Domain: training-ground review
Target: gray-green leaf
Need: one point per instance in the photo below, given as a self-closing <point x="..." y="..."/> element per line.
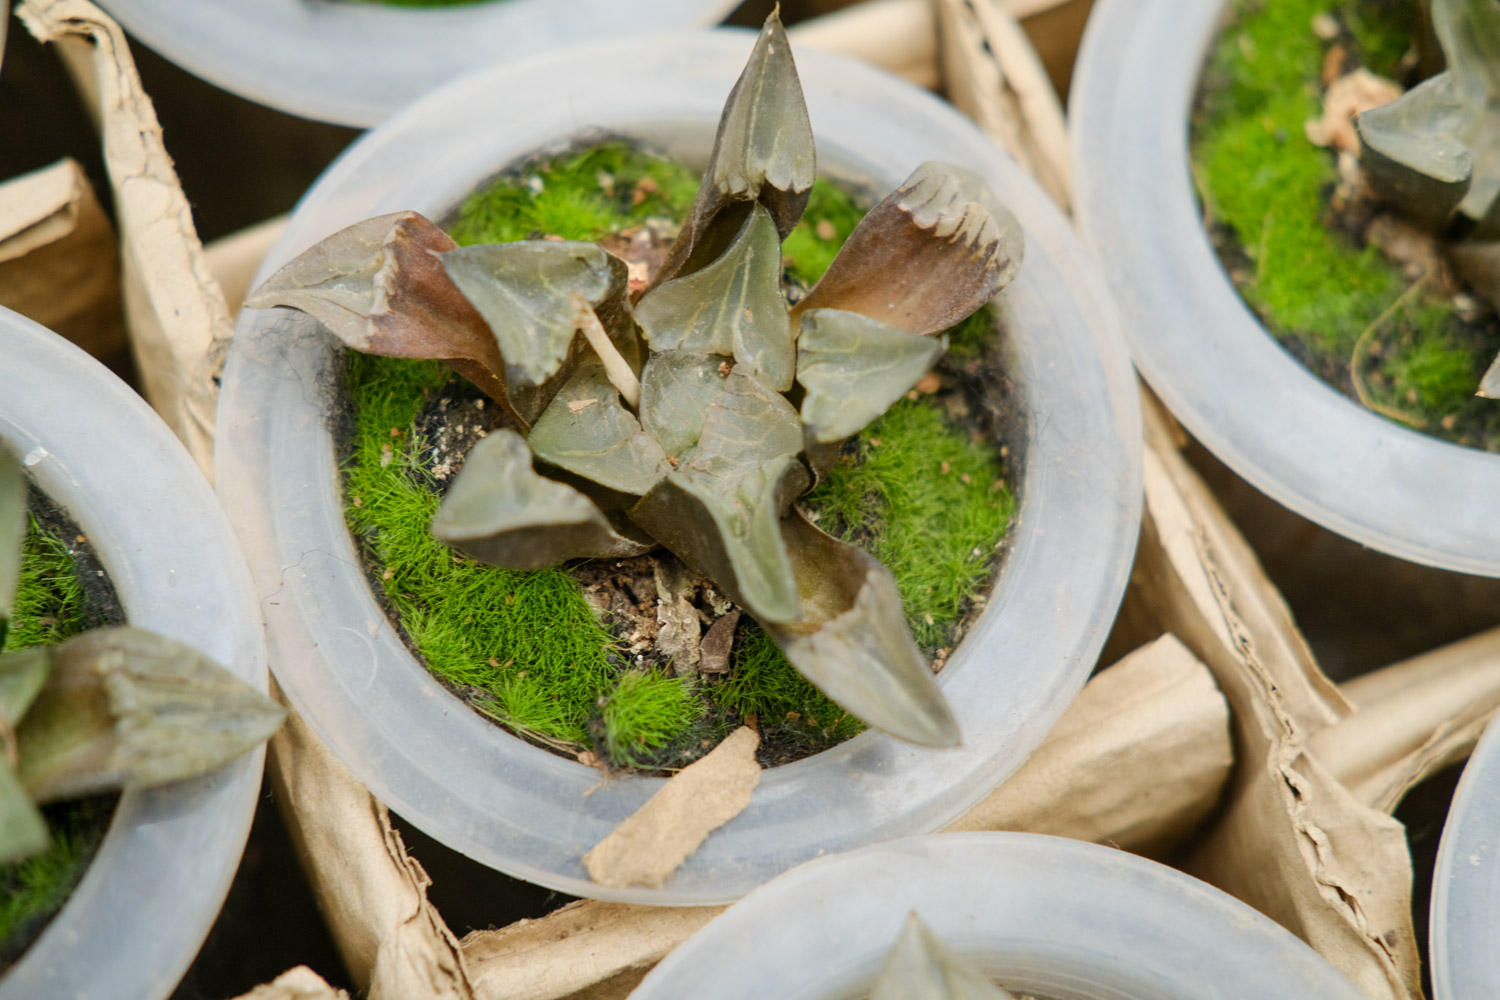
<point x="719" y="512"/>
<point x="732" y="306"/>
<point x="936" y="249"/>
<point x="22" y="675"/>
<point x="12" y="531"/>
<point x="763" y="151"/>
<point x="852" y="640"/>
<point x="920" y="967"/>
<point x="589" y="432"/>
<point x="677" y="391"/>
<point x="23" y="832"/>
<point x="1413" y="153"/>
<point x="126" y="708"/>
<point x="854" y="368"/>
<point x="525" y="292"/>
<point x="500" y="512"/>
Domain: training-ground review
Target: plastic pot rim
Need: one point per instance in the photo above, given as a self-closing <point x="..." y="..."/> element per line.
<point x="1200" y="347"/>
<point x="1045" y="914"/>
<point x="1465" y="907"/>
<point x="357" y="63"/>
<point x="133" y="924"/>
<point x="460" y="778"/>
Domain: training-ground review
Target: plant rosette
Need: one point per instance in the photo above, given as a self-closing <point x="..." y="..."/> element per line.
<point x="91" y="445"/>
<point x="531" y="813"/>
<point x="1465" y="913"/>
<point x="1200" y="346"/>
<point x="1041" y="916"/>
<point x="354" y="62"/>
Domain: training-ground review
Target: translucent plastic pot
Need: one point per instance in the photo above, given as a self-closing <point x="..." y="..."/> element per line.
<point x="1060" y="918"/>
<point x="521" y="809"/>
<point x="355" y="63"/>
<point x="1201" y="348"/>
<point x="132" y="926"/>
<point x="1465" y="924"/>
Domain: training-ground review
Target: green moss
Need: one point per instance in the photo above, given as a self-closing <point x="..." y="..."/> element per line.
<point x="527" y="648"/>
<point x="1267" y="186"/>
<point x="49" y="608"/>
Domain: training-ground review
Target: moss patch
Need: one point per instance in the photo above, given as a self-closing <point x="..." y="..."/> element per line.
<point x="1316" y="288"/>
<point x="526" y="648"/>
<point x="51" y="605"/>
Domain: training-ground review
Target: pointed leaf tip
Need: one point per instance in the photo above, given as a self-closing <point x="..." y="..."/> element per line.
<point x="936" y="249"/>
<point x="852" y="641"/>
<point x="500" y="512"/>
<point x="920" y="967"/>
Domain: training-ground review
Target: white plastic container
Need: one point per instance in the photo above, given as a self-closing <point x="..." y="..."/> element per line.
<point x="530" y="813"/>
<point x="356" y="63"/>
<point x="134" y="923"/>
<point x="1201" y="348"/>
<point x="1464" y="939"/>
<point x="1059" y="918"/>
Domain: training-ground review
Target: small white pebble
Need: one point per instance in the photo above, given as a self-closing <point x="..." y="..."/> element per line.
<point x="34" y="456"/>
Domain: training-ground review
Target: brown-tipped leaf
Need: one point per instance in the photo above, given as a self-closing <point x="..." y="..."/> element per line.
<point x="920" y="967"/>
<point x="732" y="306"/>
<point x="589" y="432"/>
<point x="853" y="369"/>
<point x="936" y="249"/>
<point x="126" y="708"/>
<point x="677" y="391"/>
<point x="852" y="640"/>
<point x="525" y="292"/>
<point x="719" y="512"/>
<point x="379" y="288"/>
<point x="12" y="531"/>
<point x="23" y="832"/>
<point x="763" y="151"/>
<point x="500" y="512"/>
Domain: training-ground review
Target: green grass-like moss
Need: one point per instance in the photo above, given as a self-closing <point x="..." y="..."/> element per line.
<point x="49" y="607"/>
<point x="1267" y="185"/>
<point x="527" y="646"/>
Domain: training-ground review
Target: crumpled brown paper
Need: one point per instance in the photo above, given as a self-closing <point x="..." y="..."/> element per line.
<point x="179" y="325"/>
<point x="59" y="262"/>
<point x="300" y="983"/>
<point x="1292" y="841"/>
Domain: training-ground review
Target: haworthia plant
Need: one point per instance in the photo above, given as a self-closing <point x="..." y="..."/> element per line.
<point x="920" y="967"/>
<point x="695" y="417"/>
<point x="1434" y="152"/>
<point x="111" y="709"/>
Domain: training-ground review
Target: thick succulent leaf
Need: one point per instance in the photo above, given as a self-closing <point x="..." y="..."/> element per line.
<point x="852" y="640"/>
<point x="1413" y="152"/>
<point x="22" y="674"/>
<point x="720" y="510"/>
<point x="678" y="389"/>
<point x="379" y="288"/>
<point x="525" y="292"/>
<point x="763" y="152"/>
<point x="732" y="306"/>
<point x="1489" y="386"/>
<point x="23" y="832"/>
<point x="1478" y="265"/>
<point x="920" y="967"/>
<point x="12" y="531"/>
<point x="936" y="249"/>
<point x="589" y="432"/>
<point x="500" y="512"/>
<point x="727" y="530"/>
<point x="127" y="708"/>
<point x="1469" y="32"/>
<point x="854" y="368"/>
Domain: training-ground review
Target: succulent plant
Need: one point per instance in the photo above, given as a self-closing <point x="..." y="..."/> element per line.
<point x="690" y="408"/>
<point x="1434" y="153"/>
<point x="920" y="967"/>
<point x="115" y="708"/>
